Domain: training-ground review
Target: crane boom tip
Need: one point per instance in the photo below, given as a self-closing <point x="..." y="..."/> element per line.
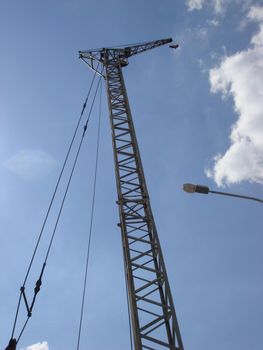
<point x="174" y="46"/>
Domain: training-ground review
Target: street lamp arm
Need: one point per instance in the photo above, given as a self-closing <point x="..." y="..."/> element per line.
<point x="237" y="195"/>
<point x="191" y="188"/>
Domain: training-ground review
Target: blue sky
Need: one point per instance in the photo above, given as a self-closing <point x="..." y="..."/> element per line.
<point x="198" y="113"/>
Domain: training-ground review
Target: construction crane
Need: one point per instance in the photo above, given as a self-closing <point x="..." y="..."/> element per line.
<point x="152" y="312"/>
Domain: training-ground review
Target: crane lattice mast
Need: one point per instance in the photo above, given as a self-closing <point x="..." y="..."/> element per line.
<point x="153" y="317"/>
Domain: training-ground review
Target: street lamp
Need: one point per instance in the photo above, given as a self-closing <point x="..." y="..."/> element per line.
<point x="190" y="188"/>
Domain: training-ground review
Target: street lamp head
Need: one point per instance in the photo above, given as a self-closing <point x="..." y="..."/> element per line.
<point x="190" y="188"/>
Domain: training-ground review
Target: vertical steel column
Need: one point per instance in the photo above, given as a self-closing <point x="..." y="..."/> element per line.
<point x="153" y="314"/>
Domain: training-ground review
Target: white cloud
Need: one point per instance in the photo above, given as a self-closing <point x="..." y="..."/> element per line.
<point x="241" y="76"/>
<point x="31" y="164"/>
<point x="38" y="346"/>
<point x="199" y="4"/>
<point x="218" y="6"/>
<point x="195" y="4"/>
<point x="213" y="22"/>
<point x="202" y="32"/>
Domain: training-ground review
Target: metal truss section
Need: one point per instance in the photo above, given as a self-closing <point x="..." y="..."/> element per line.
<point x="153" y="316"/>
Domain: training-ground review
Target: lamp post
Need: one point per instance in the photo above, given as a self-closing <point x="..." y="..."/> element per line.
<point x="190" y="188"/>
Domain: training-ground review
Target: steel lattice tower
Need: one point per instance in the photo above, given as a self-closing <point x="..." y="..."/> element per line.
<point x="153" y="316"/>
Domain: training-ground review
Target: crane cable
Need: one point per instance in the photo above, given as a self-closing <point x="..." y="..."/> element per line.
<point x="13" y="342"/>
<point x="51" y="202"/>
<point x="89" y="244"/>
<point x="39" y="281"/>
<point x="91" y="224"/>
<point x="90" y="238"/>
